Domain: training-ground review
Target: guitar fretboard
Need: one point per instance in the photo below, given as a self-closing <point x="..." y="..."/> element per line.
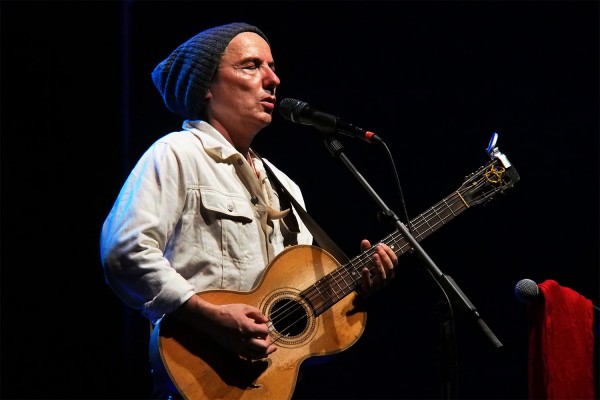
<point x="335" y="286"/>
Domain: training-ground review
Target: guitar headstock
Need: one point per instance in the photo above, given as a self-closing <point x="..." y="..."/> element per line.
<point x="497" y="176"/>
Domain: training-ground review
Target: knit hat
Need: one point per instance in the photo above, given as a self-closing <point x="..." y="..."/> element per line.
<point x="183" y="78"/>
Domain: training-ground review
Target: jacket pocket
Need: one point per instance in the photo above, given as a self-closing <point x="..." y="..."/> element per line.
<point x="233" y="206"/>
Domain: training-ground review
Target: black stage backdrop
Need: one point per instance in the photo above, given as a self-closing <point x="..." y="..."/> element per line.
<point x="433" y="79"/>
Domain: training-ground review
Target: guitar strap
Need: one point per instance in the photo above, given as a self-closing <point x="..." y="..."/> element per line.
<point x="285" y="198"/>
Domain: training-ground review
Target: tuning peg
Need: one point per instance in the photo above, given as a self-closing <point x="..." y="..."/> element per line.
<point x="492" y="144"/>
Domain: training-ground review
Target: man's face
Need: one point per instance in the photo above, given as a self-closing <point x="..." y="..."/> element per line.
<point x="242" y="95"/>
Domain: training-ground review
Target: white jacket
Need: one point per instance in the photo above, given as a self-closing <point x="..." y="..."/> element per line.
<point x="192" y="216"/>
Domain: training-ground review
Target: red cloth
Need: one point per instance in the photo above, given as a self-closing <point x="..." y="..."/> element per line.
<point x="561" y="344"/>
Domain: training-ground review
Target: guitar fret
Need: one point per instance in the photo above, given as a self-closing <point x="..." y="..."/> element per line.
<point x="343" y="273"/>
<point x="448" y="207"/>
<point x="334" y="291"/>
<point x="323" y="303"/>
<point x="441" y="216"/>
<point x="437" y="215"/>
<point x="451" y="210"/>
<point x="428" y="224"/>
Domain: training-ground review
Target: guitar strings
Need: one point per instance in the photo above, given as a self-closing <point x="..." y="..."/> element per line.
<point x="311" y="294"/>
<point x="313" y="298"/>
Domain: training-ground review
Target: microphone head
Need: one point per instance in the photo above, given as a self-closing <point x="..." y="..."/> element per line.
<point x="291" y="108"/>
<point x="526" y="290"/>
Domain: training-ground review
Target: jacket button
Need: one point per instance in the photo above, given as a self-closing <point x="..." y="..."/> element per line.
<point x="254" y="200"/>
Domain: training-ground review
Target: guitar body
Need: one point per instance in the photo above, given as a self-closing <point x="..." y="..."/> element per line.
<point x="198" y="368"/>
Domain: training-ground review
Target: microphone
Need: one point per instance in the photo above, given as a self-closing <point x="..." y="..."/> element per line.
<point x="301" y="113"/>
<point x="527" y="290"/>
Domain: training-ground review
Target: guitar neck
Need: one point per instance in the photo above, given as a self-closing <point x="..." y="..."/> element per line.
<point x="479" y="187"/>
<point x="345" y="279"/>
<point x="428" y="222"/>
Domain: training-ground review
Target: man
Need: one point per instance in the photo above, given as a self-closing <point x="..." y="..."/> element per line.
<point x="198" y="211"/>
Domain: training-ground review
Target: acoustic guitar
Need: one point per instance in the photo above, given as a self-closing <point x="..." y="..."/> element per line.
<point x="310" y="301"/>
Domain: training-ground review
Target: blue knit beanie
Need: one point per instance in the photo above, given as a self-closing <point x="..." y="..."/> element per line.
<point x="184" y="77"/>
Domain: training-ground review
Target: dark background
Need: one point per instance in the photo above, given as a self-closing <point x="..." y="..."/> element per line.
<point x="433" y="79"/>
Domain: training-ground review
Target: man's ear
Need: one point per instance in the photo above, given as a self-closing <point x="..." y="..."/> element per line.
<point x="208" y="95"/>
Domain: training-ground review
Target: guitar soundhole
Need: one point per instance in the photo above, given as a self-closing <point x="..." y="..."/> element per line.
<point x="289" y="318"/>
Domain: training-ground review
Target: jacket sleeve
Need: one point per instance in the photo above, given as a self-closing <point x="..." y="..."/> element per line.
<point x="134" y="235"/>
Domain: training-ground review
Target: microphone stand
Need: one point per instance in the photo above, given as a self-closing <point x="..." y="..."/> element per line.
<point x="455" y="295"/>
